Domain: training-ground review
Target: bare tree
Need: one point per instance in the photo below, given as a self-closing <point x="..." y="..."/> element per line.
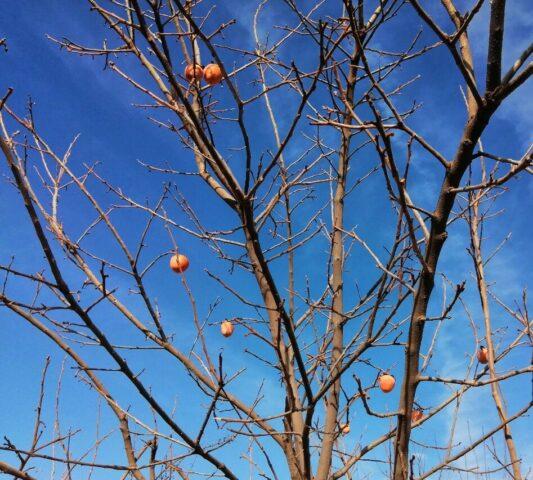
<point x="338" y="121"/>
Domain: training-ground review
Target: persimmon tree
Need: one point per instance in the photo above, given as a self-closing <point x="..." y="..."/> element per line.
<point x="313" y="111"/>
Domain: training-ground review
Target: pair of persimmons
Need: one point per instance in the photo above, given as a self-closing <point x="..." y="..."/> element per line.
<point x="212" y="73"/>
<point x="179" y="263"/>
<point x="386" y="383"/>
<point x="416" y="415"/>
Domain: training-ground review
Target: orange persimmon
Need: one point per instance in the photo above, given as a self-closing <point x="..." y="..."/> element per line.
<point x="226" y="328"/>
<point x="416" y="415"/>
<point x="483" y="355"/>
<point x="194" y="72"/>
<point x="386" y="382"/>
<point x="212" y="74"/>
<point x="179" y="263"/>
<point x="345" y="428"/>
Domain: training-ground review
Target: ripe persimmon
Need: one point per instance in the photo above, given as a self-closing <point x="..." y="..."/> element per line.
<point x="386" y="382"/>
<point x="194" y="72"/>
<point x="212" y="74"/>
<point x="179" y="263"/>
<point x="483" y="355"/>
<point x="345" y="428"/>
<point x="226" y="328"/>
<point x="416" y="415"/>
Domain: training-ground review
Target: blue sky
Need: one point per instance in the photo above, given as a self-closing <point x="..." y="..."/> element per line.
<point x="76" y="95"/>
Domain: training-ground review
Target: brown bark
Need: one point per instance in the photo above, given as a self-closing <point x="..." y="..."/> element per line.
<point x="438" y="235"/>
<point x="10" y="470"/>
<point x="337" y="320"/>
<point x="479" y="116"/>
<point x="495" y="49"/>
<point x="331" y="427"/>
<point x="466" y="52"/>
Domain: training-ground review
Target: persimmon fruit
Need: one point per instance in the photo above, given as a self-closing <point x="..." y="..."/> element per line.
<point x="194" y="72"/>
<point x="179" y="263"/>
<point x="386" y="382"/>
<point x="345" y="428"/>
<point x="483" y="355"/>
<point x="212" y="74"/>
<point x="416" y="415"/>
<point x="226" y="328"/>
